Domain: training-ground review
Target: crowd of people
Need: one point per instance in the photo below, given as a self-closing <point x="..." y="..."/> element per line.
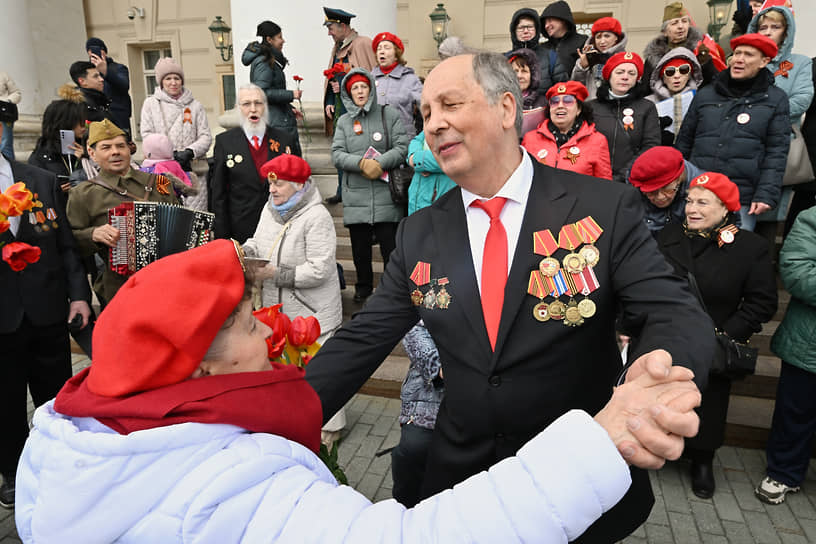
<point x="647" y="174"/>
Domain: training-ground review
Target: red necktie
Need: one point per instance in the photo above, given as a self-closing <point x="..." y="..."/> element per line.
<point x="494" y="267"/>
<point x="255" y="143"/>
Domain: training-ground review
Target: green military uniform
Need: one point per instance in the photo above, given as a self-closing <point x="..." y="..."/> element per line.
<point x="88" y="205"/>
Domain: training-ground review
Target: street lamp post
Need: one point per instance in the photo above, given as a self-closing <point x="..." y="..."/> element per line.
<point x="718" y="10"/>
<point x="221" y="38"/>
<point x="439" y="24"/>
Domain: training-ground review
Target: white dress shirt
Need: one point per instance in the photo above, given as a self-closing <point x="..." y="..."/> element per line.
<point x="516" y="190"/>
<point x="6" y="181"/>
<point x="260" y="132"/>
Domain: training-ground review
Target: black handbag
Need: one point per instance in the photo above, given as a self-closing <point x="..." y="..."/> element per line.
<point x="399" y="179"/>
<point x="8" y="112"/>
<point x="732" y="359"/>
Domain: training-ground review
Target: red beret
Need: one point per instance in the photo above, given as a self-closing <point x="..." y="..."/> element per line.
<point x="622" y="58"/>
<point x="574" y="88"/>
<point x="678" y="61"/>
<point x="607" y="24"/>
<point x="286" y="167"/>
<point x="725" y="189"/>
<point x="656" y="168"/>
<point x="388" y="37"/>
<point x="354" y="78"/>
<point x="160" y="324"/>
<point x="766" y="45"/>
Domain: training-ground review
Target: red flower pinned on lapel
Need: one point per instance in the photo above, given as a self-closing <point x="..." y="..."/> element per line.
<point x="18" y="255"/>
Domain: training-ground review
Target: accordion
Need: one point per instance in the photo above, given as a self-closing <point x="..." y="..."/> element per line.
<point x="151" y="230"/>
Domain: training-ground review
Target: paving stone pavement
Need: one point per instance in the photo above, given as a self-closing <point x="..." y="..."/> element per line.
<point x="733" y="516"/>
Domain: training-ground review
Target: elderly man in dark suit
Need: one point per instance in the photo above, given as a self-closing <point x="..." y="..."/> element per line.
<point x="238" y="190"/>
<point x="36" y="305"/>
<point x="491" y="283"/>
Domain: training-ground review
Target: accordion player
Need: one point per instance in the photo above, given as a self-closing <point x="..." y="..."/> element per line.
<point x="151" y="230"/>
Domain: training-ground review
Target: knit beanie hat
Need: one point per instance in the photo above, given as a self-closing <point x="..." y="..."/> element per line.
<point x="167" y="66"/>
<point x="268" y="29"/>
<point x="157" y="147"/>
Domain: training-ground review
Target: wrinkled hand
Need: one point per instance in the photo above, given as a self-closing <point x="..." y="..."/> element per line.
<point x="265" y="273"/>
<point x="106" y="234"/>
<point x="330" y="111"/>
<point x="647" y="418"/>
<point x="370" y="168"/>
<point x="79" y="307"/>
<point x="184" y="158"/>
<point x="758" y="208"/>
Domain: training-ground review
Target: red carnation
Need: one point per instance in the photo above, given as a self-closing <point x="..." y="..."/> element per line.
<point x="18" y="255"/>
<point x="297" y="78"/>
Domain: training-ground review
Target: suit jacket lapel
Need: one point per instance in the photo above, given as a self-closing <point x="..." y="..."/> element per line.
<point x="548" y="206"/>
<point x="450" y="224"/>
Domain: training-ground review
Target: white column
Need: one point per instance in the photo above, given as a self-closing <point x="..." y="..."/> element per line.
<point x="19" y="61"/>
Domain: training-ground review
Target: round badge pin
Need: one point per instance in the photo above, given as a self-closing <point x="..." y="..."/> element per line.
<point x="542" y="154"/>
<point x="377" y="136"/>
<point x="727" y="236"/>
<point x="230" y="163"/>
<point x="238" y="159"/>
<point x="628" y="111"/>
<point x="628" y="119"/>
<point x="743" y="118"/>
<point x="574" y="150"/>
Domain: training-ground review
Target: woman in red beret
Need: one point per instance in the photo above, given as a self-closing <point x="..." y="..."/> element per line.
<point x="628" y="120"/>
<point x="606" y="39"/>
<point x="568" y="139"/>
<point x="397" y="84"/>
<point x="735" y="279"/>
<point x="182" y="431"/>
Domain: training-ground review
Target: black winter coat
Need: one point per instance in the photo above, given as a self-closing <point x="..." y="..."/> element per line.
<point x="117" y="85"/>
<point x="625" y="145"/>
<point x="744" y="137"/>
<point x="565" y="48"/>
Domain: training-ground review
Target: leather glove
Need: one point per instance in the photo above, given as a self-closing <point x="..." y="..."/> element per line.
<point x="703" y="54"/>
<point x="371" y="168"/>
<point x="184" y="158"/>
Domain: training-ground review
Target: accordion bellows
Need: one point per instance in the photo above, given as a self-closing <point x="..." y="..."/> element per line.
<point x="151" y="230"/>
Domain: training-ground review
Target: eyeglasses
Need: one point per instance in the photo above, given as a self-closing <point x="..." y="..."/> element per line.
<point x="525" y="27"/>
<point x="668" y="190"/>
<point x="566" y="99"/>
<point x="684" y="69"/>
<point x="256" y="103"/>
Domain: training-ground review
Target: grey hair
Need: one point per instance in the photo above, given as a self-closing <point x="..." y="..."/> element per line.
<point x="451" y="47"/>
<point x="495" y="76"/>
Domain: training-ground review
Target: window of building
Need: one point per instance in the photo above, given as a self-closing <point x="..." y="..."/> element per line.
<point x="149" y="59"/>
<point x="228" y="91"/>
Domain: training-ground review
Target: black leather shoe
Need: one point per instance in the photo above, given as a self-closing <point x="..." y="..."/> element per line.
<point x="702" y="479"/>
<point x="334" y="200"/>
<point x="7" y="493"/>
<point x="361" y="294"/>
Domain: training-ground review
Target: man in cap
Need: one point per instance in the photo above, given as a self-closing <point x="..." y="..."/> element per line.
<point x="116" y="81"/>
<point x="352" y="51"/>
<point x="663" y="177"/>
<point x="740" y="126"/>
<point x="514" y="355"/>
<point x="238" y="189"/>
<point x="117" y="182"/>
<point x="37" y="304"/>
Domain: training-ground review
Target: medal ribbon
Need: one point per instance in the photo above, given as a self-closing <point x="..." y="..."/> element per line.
<point x="549" y="285"/>
<point x="589" y="230"/>
<point x="577" y="283"/>
<point x="573" y="157"/>
<point x="544" y="243"/>
<point x="590" y="280"/>
<point x="421" y="274"/>
<point x="572" y="290"/>
<point x="560" y="284"/>
<point x="730" y="228"/>
<point x="569" y="238"/>
<point x="536" y="285"/>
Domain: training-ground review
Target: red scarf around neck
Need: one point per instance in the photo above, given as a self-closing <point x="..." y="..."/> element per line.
<point x="278" y="401"/>
<point x="388" y="69"/>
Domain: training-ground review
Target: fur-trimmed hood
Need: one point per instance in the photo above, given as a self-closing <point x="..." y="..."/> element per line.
<point x="659" y="46"/>
<point x="656" y="82"/>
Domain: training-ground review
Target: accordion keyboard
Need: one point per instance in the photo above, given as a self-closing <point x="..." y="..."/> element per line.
<point x="119" y="253"/>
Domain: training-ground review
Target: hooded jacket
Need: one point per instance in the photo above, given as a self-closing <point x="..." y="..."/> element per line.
<point x="533" y="43"/>
<point x="744" y="137"/>
<point x="592" y="76"/>
<point x="266" y="71"/>
<point x="365" y="200"/>
<point x="659" y="89"/>
<point x="183" y="120"/>
<point x="305" y="281"/>
<point x="796" y="79"/>
<point x="534" y="96"/>
<point x="400" y="89"/>
<point x="588" y="148"/>
<point x="659" y="46"/>
<point x="78" y="481"/>
<point x="558" y="55"/>
<point x="429" y="181"/>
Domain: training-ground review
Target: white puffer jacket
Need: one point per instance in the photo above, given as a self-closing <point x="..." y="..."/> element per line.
<point x="186" y="129"/>
<point x="78" y="481"/>
<point x="306" y="280"/>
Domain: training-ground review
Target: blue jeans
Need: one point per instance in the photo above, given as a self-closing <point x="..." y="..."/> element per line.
<point x="7" y="142"/>
<point x="747" y="222"/>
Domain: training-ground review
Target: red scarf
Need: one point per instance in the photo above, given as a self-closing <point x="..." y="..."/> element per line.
<point x="388" y="69"/>
<point x="278" y="401"/>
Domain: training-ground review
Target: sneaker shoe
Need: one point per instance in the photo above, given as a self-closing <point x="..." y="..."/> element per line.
<point x="7" y="493"/>
<point x="773" y="492"/>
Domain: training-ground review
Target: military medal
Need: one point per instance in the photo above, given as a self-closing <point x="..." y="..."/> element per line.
<point x="416" y="297"/>
<point x="589" y="231"/>
<point x="572" y="315"/>
<point x="541" y="311"/>
<point x="587" y="308"/>
<point x="557" y="309"/>
<point x="422" y="276"/>
<point x="573" y="153"/>
<point x="52" y="216"/>
<point x="569" y="238"/>
<point x="726" y="235"/>
<point x="537" y="288"/>
<point x="544" y="244"/>
<point x="430" y="299"/>
<point x="443" y="298"/>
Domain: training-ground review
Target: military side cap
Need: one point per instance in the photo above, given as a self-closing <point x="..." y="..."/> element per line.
<point x="103" y="130"/>
<point x="337" y="16"/>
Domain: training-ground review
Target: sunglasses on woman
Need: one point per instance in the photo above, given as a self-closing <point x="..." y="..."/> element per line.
<point x="566" y="99"/>
<point x="684" y="69"/>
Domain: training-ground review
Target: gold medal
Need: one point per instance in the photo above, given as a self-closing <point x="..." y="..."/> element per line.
<point x="591" y="254"/>
<point x="587" y="308"/>
<point x="541" y="312"/>
<point x="416" y="297"/>
<point x="549" y="266"/>
<point x="572" y="315"/>
<point x="443" y="299"/>
<point x="557" y="309"/>
<point x="574" y="263"/>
